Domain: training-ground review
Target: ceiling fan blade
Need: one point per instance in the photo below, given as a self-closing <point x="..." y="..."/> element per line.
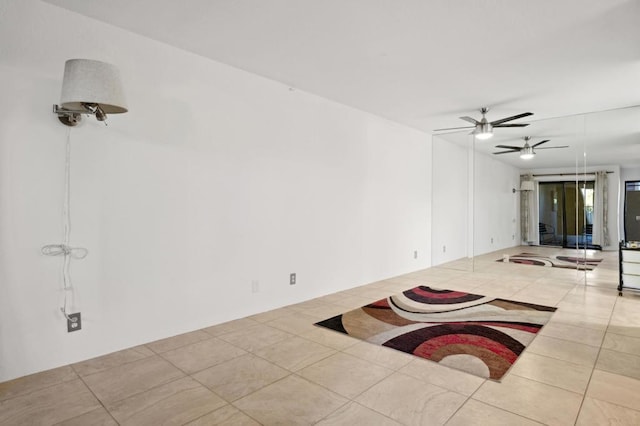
<point x="540" y="143"/>
<point x="512" y="125"/>
<point x="514" y="117"/>
<point x="506" y="152"/>
<point x="553" y="147"/>
<point x="470" y="120"/>
<point x="453" y="128"/>
<point x="509" y="147"/>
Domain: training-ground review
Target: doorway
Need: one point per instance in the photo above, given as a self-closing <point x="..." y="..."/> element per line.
<point x="566" y="214"/>
<point x="632" y="210"/>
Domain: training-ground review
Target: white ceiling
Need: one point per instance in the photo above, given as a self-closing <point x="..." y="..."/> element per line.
<point x="422" y="63"/>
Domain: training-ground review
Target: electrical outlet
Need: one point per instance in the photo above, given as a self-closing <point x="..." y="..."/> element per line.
<point x="415" y="254"/>
<point x="292" y="278"/>
<point x="444" y="249"/>
<point x="255" y="286"/>
<point x="491" y="240"/>
<point x="74" y="323"/>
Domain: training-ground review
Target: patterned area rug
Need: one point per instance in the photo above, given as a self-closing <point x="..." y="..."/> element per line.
<point x="473" y="333"/>
<point x="566" y="262"/>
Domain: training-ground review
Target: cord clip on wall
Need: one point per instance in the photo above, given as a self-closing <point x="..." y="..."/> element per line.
<point x="63" y="249"/>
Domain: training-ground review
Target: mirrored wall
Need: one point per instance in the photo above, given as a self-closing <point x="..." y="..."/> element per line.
<point x="572" y="201"/>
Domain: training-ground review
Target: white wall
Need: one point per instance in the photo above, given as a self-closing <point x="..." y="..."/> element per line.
<point x="450" y="202"/>
<point x="215" y="178"/>
<point x="474" y="209"/>
<point x="496" y="208"/>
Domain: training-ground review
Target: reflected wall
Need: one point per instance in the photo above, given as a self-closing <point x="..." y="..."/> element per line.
<point x="600" y="141"/>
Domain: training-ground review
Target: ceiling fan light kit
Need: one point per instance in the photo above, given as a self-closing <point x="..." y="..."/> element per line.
<point x="483" y="131"/>
<point x="483" y="128"/>
<point x="527" y="156"/>
<point x="527" y="151"/>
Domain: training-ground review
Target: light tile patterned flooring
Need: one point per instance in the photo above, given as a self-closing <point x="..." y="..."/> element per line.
<point x="277" y="368"/>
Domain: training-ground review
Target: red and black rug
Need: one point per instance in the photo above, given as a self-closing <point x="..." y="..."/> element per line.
<point x="473" y="333"/>
<point x="567" y="262"/>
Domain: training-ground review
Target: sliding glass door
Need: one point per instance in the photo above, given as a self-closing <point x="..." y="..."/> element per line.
<point x="566" y="214"/>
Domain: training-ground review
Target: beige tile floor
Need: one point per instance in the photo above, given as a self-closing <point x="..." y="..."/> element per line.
<point x="277" y="368"/>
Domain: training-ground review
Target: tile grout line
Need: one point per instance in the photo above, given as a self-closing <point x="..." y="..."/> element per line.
<point x="42" y="388"/>
<point x="595" y="363"/>
<point x="96" y="397"/>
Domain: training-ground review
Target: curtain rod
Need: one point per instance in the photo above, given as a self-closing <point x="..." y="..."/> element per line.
<point x="566" y="174"/>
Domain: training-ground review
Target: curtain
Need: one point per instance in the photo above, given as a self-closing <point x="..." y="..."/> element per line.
<point x="526" y="205"/>
<point x="600" y="210"/>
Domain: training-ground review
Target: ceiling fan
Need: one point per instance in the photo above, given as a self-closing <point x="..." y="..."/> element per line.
<point x="526" y="151"/>
<point x="483" y="129"/>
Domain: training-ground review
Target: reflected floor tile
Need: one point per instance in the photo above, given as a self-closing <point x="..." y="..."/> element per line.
<point x="345" y="374"/>
<point x="173" y="403"/>
<point x="309" y="304"/>
<point x="411" y="401"/>
<point x="619" y="363"/>
<point x="230" y="326"/>
<point x="596" y="412"/>
<point x="330" y="338"/>
<point x="356" y="414"/>
<point x="614" y="388"/>
<point x="564" y="350"/>
<point x="274" y="404"/>
<point x="178" y="341"/>
<point x="225" y="416"/>
<point x="111" y="360"/>
<point x="97" y="417"/>
<point x="538" y="401"/>
<point x="256" y="337"/>
<point x="295" y="324"/>
<point x="585" y="310"/>
<point x="271" y="315"/>
<point x="620" y="343"/>
<point x="476" y="413"/>
<point x="129" y="379"/>
<point x="578" y="320"/>
<point x="467" y="287"/>
<point x="624" y="329"/>
<point x="352" y="302"/>
<point x="325" y="312"/>
<point x="33" y="382"/>
<point x="399" y="286"/>
<point x="563" y="374"/>
<point x="440" y="375"/>
<point x="380" y="355"/>
<point x="240" y="376"/>
<point x="295" y="353"/>
<point x="606" y="302"/>
<point x="574" y="334"/>
<point x="49" y="405"/>
<point x="201" y="355"/>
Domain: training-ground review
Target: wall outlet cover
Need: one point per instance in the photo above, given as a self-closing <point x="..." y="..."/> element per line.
<point x="74" y="325"/>
<point x="292" y="279"/>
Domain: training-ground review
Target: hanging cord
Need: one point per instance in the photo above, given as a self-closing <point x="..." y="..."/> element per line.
<point x="64" y="249"/>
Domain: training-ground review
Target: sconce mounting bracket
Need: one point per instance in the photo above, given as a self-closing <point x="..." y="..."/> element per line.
<point x="68" y="117"/>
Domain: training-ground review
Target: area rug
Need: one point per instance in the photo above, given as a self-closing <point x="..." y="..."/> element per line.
<point x="469" y="332"/>
<point x="566" y="262"/>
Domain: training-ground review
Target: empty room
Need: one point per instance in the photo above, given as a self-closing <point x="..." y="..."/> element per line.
<point x="295" y="212"/>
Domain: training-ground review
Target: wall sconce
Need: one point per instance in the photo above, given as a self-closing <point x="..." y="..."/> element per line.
<point x="525" y="185"/>
<point x="92" y="88"/>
